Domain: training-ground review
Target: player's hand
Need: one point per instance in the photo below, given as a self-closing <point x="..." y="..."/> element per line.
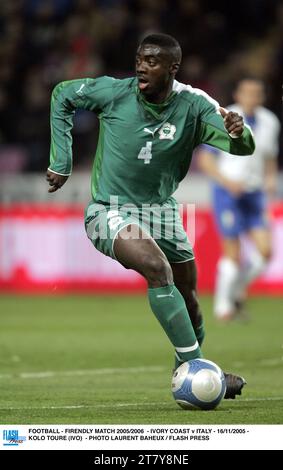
<point x="270" y="185"/>
<point x="55" y="181"/>
<point x="233" y="122"/>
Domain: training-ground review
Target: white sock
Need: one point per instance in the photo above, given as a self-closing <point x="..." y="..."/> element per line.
<point x="250" y="271"/>
<point x="226" y="278"/>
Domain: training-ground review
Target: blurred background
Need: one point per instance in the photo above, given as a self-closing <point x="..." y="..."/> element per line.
<point x="43" y="246"/>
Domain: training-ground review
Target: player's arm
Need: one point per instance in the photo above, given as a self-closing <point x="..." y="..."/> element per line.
<point x="207" y="164"/>
<point x="271" y="162"/>
<point x="270" y="175"/>
<point x="223" y="129"/>
<point x="90" y="94"/>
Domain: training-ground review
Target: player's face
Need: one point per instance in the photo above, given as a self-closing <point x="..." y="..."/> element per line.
<point x="154" y="70"/>
<point x="250" y="94"/>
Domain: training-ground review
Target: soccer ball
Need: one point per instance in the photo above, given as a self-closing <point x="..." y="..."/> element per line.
<point x="198" y="384"/>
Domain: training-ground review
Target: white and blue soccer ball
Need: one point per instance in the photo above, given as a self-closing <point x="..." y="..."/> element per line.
<point x="198" y="384"/>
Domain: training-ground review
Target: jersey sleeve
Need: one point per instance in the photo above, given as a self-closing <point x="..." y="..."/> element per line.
<point x="90" y="94"/>
<point x="212" y="130"/>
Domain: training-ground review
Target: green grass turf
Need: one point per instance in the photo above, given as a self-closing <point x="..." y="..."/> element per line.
<point x="76" y="341"/>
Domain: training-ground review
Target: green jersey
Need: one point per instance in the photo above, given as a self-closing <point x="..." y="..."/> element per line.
<point x="144" y="150"/>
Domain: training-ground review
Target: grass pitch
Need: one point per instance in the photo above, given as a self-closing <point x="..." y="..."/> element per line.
<point x="94" y="360"/>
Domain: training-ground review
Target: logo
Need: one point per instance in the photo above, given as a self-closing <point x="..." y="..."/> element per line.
<point x="167" y="131"/>
<point x="166" y="295"/>
<point x="11" y="437"/>
<point x="114" y="219"/>
<point x="80" y="90"/>
<point x="150" y="132"/>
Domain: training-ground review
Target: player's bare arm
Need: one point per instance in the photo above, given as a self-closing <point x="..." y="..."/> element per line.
<point x="271" y="174"/>
<point x="55" y="181"/>
<point x="233" y="122"/>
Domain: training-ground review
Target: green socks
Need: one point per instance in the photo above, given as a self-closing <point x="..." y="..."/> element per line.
<point x="169" y="307"/>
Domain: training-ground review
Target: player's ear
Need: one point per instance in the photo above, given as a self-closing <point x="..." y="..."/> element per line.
<point x="174" y="68"/>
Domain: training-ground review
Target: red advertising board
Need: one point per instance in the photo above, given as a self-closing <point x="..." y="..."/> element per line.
<point x="44" y="249"/>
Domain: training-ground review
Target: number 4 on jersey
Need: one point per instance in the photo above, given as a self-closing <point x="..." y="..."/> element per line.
<point x="145" y="153"/>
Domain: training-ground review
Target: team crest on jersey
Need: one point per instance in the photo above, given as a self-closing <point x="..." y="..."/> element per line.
<point x="167" y="131"/>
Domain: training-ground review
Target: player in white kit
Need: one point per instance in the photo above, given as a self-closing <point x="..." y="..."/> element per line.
<point x="240" y="189"/>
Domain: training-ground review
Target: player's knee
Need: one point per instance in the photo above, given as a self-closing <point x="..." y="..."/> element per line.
<point x="157" y="270"/>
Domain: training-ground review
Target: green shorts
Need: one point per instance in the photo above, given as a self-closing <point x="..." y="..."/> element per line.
<point x="161" y="222"/>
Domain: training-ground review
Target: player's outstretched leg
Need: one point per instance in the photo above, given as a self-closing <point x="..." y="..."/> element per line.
<point x="257" y="260"/>
<point x="141" y="253"/>
<point x="226" y="278"/>
<point x="185" y="279"/>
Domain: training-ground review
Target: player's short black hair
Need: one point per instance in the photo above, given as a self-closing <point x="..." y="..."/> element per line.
<point x="165" y="41"/>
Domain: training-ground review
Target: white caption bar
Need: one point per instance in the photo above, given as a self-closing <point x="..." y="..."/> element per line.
<point x="139" y="437"/>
